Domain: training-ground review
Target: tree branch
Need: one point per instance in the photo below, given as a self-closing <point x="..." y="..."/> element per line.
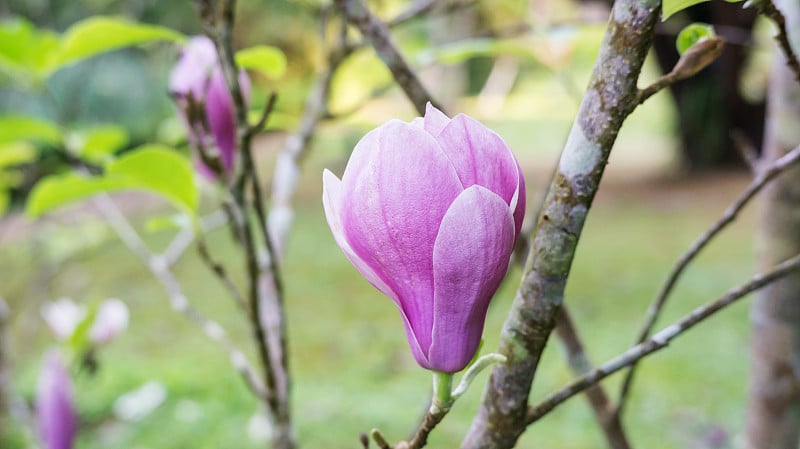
<point x="762" y="178"/>
<point x="659" y="340"/>
<point x="359" y="15"/>
<point x="768" y="8"/>
<point x="159" y="267"/>
<point x="598" y="399"/>
<point x="610" y="98"/>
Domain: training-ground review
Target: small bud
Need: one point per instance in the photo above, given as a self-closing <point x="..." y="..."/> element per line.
<point x="697" y="57"/>
<point x="54" y="408"/>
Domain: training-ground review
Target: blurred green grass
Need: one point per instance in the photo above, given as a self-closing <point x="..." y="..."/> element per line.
<point x="351" y="367"/>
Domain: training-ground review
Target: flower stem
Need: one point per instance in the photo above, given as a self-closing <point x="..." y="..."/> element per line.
<point x="442" y="391"/>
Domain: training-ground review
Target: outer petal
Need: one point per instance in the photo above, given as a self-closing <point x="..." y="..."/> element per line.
<point x="191" y="73"/>
<point x="395" y="191"/>
<point x="435" y="120"/>
<point x="470" y="258"/>
<point x="481" y="157"/>
<point x="54" y="408"/>
<point x="331" y="200"/>
<point x="221" y="118"/>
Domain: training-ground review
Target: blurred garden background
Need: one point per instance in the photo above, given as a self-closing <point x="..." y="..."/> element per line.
<point x="519" y="67"/>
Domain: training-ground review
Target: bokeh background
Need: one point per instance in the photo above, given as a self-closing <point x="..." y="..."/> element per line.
<point x="666" y="182"/>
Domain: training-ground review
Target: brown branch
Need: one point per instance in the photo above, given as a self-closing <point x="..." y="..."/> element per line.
<point x="431" y="421"/>
<point x="610" y="98"/>
<point x="762" y="179"/>
<point x="596" y="395"/>
<point x="219" y="270"/>
<point x="768" y="8"/>
<point x="659" y="340"/>
<point x="359" y="15"/>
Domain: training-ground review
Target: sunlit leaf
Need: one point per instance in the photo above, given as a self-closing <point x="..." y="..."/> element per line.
<point x="158" y="169"/>
<point x="98" y="144"/>
<point x="24" y="49"/>
<point x="167" y="222"/>
<point x="356" y="79"/>
<point x="470" y="48"/>
<point x="670" y="7"/>
<point x="15" y="153"/>
<point x="16" y="127"/>
<point x="58" y="190"/>
<point x="692" y="34"/>
<point x="151" y="168"/>
<point x="99" y="34"/>
<point x="269" y="61"/>
<point x="11" y="178"/>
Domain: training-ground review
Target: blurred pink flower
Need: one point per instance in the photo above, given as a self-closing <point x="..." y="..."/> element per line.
<point x="54" y="409"/>
<point x="204" y="103"/>
<point x="111" y="320"/>
<point x="428" y="212"/>
<point x="62" y="316"/>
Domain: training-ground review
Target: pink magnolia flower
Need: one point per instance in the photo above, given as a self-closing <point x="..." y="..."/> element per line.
<point x="111" y="320"/>
<point x="428" y="213"/>
<point x="204" y="102"/>
<point x="54" y="409"/>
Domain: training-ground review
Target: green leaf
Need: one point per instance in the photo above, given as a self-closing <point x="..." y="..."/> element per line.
<point x="17" y="127"/>
<point x="152" y="168"/>
<point x="24" y="49"/>
<point x="11" y="178"/>
<point x="158" y="169"/>
<point x="692" y="34"/>
<point x="167" y="222"/>
<point x="15" y="153"/>
<point x="269" y="61"/>
<point x="100" y="34"/>
<point x="57" y="190"/>
<point x="670" y="7"/>
<point x="470" y="48"/>
<point x="99" y="144"/>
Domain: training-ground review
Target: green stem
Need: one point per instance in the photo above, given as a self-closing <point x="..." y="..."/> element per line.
<point x="442" y="391"/>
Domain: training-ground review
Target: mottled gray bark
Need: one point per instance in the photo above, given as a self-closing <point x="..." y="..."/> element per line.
<point x="773" y="414"/>
<point x="609" y="99"/>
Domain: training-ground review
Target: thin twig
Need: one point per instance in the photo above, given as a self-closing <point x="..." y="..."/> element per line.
<point x="219" y="270"/>
<point x="659" y="340"/>
<point x="177" y="247"/>
<point x="420" y="439"/>
<point x="768" y="8"/>
<point x="359" y="15"/>
<point x="159" y="267"/>
<point x="762" y="178"/>
<point x="598" y="399"/>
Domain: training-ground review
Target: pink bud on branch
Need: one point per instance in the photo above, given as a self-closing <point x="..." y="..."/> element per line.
<point x="54" y="409"/>
<point x="205" y="105"/>
<point x="428" y="212"/>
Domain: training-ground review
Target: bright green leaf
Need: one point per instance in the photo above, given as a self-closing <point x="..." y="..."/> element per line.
<point x="99" y="34"/>
<point x="471" y="48"/>
<point x="269" y="61"/>
<point x="692" y="34"/>
<point x="158" y="169"/>
<point x="15" y="153"/>
<point x="16" y="127"/>
<point x="57" y="190"/>
<point x="11" y="178"/>
<point x="24" y="49"/>
<point x="167" y="222"/>
<point x="100" y="143"/>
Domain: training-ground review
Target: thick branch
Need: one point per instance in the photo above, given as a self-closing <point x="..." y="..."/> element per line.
<point x="660" y="340"/>
<point x="762" y="178"/>
<point x="610" y="98"/>
<point x="359" y="15"/>
<point x="769" y="9"/>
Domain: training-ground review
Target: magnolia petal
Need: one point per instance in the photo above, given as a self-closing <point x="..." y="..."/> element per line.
<point x="398" y="185"/>
<point x="331" y="191"/>
<point x="191" y="73"/>
<point x="470" y="258"/>
<point x="480" y="157"/>
<point x="435" y="120"/>
<point x="54" y="409"/>
<point x="221" y="115"/>
<point x="519" y="202"/>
